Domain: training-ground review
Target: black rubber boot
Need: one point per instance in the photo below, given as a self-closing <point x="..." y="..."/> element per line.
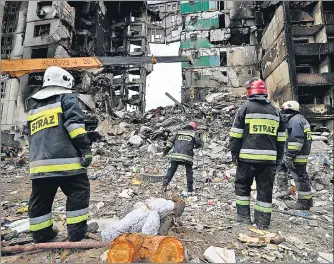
<point x="47" y="237"/>
<point x="262" y="219"/>
<point x="301" y="204"/>
<point x="243" y="220"/>
<point x="243" y="214"/>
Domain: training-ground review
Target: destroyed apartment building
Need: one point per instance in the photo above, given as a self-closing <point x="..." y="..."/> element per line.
<point x="289" y="45"/>
<point x="60" y="29"/>
<point x="167" y="28"/>
<point x="297" y="57"/>
<point x="222" y="38"/>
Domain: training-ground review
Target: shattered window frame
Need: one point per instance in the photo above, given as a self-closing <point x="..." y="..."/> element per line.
<point x="6" y="45"/>
<point x="157" y="36"/>
<point x="193" y="36"/>
<point x="42" y="4"/>
<point x="173" y="17"/>
<point x="37" y="50"/>
<point x="3" y="90"/>
<point x="41" y="30"/>
<point x="9" y="24"/>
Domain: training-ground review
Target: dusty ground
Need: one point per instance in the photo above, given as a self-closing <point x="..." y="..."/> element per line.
<point x="207" y="221"/>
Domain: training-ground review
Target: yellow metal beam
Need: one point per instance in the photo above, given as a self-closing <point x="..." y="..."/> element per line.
<point x="17" y="68"/>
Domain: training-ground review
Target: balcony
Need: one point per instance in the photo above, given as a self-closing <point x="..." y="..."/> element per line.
<point x="301" y="31"/>
<point x="314" y="49"/>
<point x="328" y="18"/>
<point x="315" y="79"/>
<point x="317" y="111"/>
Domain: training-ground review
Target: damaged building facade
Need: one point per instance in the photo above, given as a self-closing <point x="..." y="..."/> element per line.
<point x="289" y="45"/>
<point x="168" y="25"/>
<point x="60" y="29"/>
<point x="298" y="56"/>
<point x="222" y="38"/>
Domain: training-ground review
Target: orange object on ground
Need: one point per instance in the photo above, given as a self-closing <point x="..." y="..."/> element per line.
<point x="129" y="248"/>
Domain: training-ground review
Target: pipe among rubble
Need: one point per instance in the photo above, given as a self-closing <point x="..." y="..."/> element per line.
<point x="53" y="245"/>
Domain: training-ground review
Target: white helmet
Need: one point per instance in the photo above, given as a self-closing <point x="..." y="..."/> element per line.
<point x="56" y="76"/>
<point x="291" y="105"/>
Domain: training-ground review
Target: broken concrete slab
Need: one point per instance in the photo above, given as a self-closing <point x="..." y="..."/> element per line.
<point x="219" y="255"/>
<point x="325" y="257"/>
<point x="319" y="147"/>
<point x="136" y="140"/>
<point x="152" y="148"/>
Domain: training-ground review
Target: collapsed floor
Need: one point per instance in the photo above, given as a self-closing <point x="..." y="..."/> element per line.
<point x="127" y="168"/>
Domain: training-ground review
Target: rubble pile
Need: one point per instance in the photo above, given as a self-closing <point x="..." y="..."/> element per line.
<point x="128" y="167"/>
<point x="132" y="139"/>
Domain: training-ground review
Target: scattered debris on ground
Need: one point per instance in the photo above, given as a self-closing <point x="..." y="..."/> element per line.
<point x="128" y="168"/>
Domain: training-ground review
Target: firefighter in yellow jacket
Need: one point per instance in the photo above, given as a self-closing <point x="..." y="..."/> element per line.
<point x="257" y="146"/>
<point x="59" y="153"/>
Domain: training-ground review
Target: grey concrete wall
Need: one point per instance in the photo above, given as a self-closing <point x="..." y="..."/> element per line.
<point x="9" y="103"/>
<point x="17" y="51"/>
<point x="274" y="66"/>
<point x="171" y="25"/>
<point x="30" y="40"/>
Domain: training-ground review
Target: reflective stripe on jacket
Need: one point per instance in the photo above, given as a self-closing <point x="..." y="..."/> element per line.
<point x="299" y="140"/>
<point x="258" y="132"/>
<point x="57" y="136"/>
<point x="184" y="143"/>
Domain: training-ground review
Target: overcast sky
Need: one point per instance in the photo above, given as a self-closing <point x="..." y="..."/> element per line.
<point x="165" y="77"/>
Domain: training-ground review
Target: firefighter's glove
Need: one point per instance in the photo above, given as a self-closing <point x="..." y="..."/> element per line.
<point x="235" y="159"/>
<point x="289" y="164"/>
<point x="86" y="160"/>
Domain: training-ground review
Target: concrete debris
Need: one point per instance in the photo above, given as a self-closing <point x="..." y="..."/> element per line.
<point x="104" y="256"/>
<point x="319" y="138"/>
<point x="108" y="127"/>
<point x="325" y="257"/>
<point x="136" y="140"/>
<point x="219" y="255"/>
<point x="313" y="223"/>
<point x="319" y="147"/>
<point x="127" y="193"/>
<point x="99" y="205"/>
<point x="128" y="166"/>
<point x="153" y="149"/>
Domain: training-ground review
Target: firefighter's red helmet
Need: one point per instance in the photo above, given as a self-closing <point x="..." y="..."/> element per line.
<point x="256" y="86"/>
<point x="193" y="124"/>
